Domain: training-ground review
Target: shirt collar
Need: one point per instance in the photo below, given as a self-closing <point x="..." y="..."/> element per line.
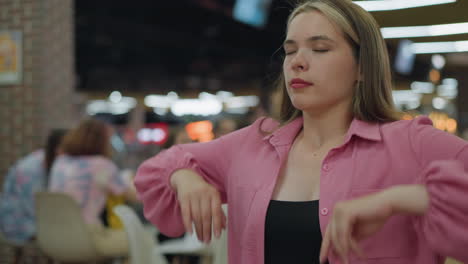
<point x="285" y="135"/>
<point x="365" y="130"/>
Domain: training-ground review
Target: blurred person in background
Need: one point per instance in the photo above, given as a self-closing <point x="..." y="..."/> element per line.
<point x="177" y="135"/>
<point x="224" y="126"/>
<point x="464" y="135"/>
<point x="254" y="114"/>
<point x="340" y="162"/>
<point x="86" y="173"/>
<point x="26" y="177"/>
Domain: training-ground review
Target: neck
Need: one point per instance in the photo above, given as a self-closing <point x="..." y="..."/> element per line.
<point x="326" y="127"/>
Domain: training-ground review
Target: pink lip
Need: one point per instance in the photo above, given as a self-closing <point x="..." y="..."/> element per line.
<point x="299" y="83"/>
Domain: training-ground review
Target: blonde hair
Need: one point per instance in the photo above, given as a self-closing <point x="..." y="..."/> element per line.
<point x="372" y="100"/>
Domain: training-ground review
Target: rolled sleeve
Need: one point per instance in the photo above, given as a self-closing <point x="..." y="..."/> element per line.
<point x="153" y="180"/>
<point x="445" y="224"/>
<point x="444" y="162"/>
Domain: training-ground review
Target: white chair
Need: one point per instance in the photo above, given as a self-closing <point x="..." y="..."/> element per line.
<point x="188" y="245"/>
<point x="62" y="233"/>
<point x="220" y="251"/>
<point x="143" y="246"/>
<point x="452" y="261"/>
<point x="220" y="248"/>
<point x="214" y="253"/>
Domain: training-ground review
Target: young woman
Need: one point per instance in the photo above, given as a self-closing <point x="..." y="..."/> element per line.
<point x="339" y="163"/>
<point x="28" y="176"/>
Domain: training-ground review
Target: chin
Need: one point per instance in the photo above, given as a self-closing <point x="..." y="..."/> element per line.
<point x="302" y="105"/>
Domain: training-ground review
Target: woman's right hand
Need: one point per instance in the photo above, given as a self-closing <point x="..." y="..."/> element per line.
<point x="200" y="204"/>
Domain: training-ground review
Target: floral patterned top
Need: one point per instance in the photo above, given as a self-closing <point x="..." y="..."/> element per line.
<point x="89" y="180"/>
<point x="24" y="179"/>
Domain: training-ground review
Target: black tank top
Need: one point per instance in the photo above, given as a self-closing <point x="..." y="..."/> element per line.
<point x="292" y="232"/>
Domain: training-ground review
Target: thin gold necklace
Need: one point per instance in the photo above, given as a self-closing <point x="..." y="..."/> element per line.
<point x="319" y="149"/>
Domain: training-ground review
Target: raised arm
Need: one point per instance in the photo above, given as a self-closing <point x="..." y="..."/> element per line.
<point x="444" y="159"/>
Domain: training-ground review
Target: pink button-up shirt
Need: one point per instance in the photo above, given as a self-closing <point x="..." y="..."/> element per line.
<point x="244" y="167"/>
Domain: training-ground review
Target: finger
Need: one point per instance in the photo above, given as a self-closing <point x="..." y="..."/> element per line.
<point x="325" y="247"/>
<point x="206" y="219"/>
<point x="356" y="249"/>
<point x="344" y="230"/>
<point x="186" y="215"/>
<point x="217" y="213"/>
<point x="336" y="241"/>
<point x="196" y="214"/>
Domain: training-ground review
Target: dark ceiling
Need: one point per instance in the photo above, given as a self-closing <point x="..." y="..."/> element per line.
<point x="133" y="46"/>
<point x="169" y="39"/>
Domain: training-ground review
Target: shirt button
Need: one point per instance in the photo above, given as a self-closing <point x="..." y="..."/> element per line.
<point x="326" y="167"/>
<point x="324" y="211"/>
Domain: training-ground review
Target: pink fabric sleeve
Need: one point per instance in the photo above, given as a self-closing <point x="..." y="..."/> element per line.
<point x="152" y="181"/>
<point x="444" y="162"/>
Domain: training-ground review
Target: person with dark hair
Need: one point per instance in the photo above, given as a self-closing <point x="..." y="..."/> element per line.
<point x="28" y="176"/>
<point x="177" y="135"/>
<point x="339" y="178"/>
<point x="224" y="126"/>
<point x="85" y="172"/>
<point x="52" y="150"/>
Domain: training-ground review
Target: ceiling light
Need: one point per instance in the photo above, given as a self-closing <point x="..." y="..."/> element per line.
<point x="115" y="97"/>
<point x="422" y="87"/>
<point x="204" y="107"/>
<point x="438" y="61"/>
<point x="385" y="5"/>
<point x="406" y="99"/>
<point x="439" y="103"/>
<point x="425" y="31"/>
<point x="160" y="101"/>
<point x="440" y="47"/>
<point x="448" y="89"/>
<point x="172" y="95"/>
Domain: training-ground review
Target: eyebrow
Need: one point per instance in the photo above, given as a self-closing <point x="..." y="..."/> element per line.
<point x="310" y="39"/>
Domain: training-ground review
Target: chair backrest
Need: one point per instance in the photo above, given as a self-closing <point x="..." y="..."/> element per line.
<point x="61" y="230"/>
<point x="143" y="246"/>
<point x="220" y="255"/>
<point x="220" y="247"/>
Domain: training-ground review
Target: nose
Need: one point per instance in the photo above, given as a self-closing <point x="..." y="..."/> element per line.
<point x="299" y="62"/>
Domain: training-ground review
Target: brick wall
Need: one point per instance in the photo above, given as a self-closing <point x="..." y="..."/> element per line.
<point x="44" y="99"/>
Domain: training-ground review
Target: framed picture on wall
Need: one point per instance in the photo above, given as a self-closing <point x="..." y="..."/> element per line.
<point x="11" y="49"/>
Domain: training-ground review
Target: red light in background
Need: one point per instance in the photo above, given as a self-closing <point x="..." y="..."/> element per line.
<point x="201" y="131"/>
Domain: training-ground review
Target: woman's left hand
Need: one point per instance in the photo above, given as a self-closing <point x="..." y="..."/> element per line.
<point x="355" y="220"/>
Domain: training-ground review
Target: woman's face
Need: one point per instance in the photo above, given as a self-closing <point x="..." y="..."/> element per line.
<point x="319" y="66"/>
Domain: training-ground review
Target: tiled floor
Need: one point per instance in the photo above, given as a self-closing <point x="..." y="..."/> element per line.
<point x="29" y="254"/>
